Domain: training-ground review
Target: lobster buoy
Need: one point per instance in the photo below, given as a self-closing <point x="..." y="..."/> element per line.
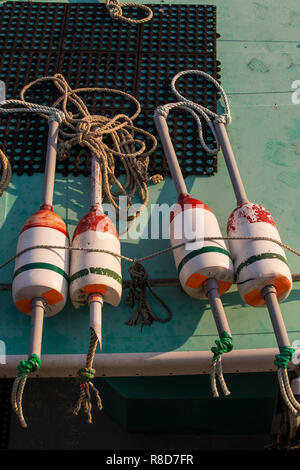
<point x="258" y="263"/>
<point x="95" y="272"/>
<point x="209" y="259"/>
<point x="42" y="272"/>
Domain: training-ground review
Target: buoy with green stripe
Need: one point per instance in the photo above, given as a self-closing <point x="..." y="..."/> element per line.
<point x="40" y="283"/>
<point x="95" y="278"/>
<point x="204" y="267"/>
<point x="262" y="273"/>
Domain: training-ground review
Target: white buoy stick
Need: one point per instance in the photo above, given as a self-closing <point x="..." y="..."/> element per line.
<point x="36" y="331"/>
<point x="96" y="303"/>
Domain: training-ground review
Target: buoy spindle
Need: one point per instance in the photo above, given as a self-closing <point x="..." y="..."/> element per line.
<point x="96" y="304"/>
<point x="163" y="130"/>
<point x="206" y="270"/>
<point x="36" y="331"/>
<point x="96" y="184"/>
<point x="270" y="296"/>
<point x="50" y="163"/>
<point x="234" y="174"/>
<point x="212" y="292"/>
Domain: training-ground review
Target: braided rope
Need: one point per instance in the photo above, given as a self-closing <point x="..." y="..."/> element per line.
<point x="6" y="172"/>
<point x="85" y="376"/>
<point x="223" y="345"/>
<point x="51" y="113"/>
<point x="116" y="13"/>
<point x="284" y="393"/>
<point x="106" y="139"/>
<point x="145" y="258"/>
<point x="197" y="110"/>
<point x="25" y="367"/>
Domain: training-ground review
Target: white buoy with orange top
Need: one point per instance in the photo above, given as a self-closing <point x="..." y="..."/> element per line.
<point x="95" y="277"/>
<point x="205" y="269"/>
<point x="40" y="284"/>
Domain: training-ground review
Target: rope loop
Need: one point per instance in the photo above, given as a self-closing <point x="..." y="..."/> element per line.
<point x="116" y="13"/>
<point x="197" y="110"/>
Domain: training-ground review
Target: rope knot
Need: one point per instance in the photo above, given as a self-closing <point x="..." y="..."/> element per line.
<point x="162" y="111"/>
<point x="86" y="374"/>
<point x="224" y="119"/>
<point x="58" y="116"/>
<point x="282" y="360"/>
<point x="31" y="365"/>
<point x="224" y="345"/>
<point x="115" y="12"/>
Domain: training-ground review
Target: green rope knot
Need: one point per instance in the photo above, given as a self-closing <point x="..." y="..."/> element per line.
<point x="224" y="345"/>
<point x="31" y="365"/>
<point x="85" y="374"/>
<point x="282" y="360"/>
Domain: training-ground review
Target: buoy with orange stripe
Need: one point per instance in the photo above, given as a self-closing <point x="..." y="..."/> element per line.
<point x="204" y="267"/>
<point x="40" y="284"/>
<point x="200" y="261"/>
<point x="95" y="275"/>
<point x="95" y="278"/>
<point x="259" y="264"/>
<point x="262" y="273"/>
<point x="42" y="272"/>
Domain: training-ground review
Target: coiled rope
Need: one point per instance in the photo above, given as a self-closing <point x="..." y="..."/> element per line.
<point x="106" y="138"/>
<point x="115" y="10"/>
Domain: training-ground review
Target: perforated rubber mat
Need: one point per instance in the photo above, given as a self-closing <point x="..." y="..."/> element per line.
<point x="89" y="49"/>
<point x="5" y="408"/>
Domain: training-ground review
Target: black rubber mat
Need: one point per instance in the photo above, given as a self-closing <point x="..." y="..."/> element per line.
<point x="89" y="49"/>
<point x="5" y="408"/>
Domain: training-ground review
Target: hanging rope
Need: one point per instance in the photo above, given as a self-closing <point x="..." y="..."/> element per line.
<point x="115" y="10"/>
<point x="223" y="345"/>
<point x="107" y="139"/>
<point x="281" y="361"/>
<point x="24" y="368"/>
<point x="144" y="314"/>
<point x="85" y="377"/>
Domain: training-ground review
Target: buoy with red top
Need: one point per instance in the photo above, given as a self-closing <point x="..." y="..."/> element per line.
<point x="204" y="267"/>
<point x="40" y="283"/>
<point x="95" y="276"/>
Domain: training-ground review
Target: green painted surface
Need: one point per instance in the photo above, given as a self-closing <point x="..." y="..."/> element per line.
<point x="260" y="56"/>
<point x="184" y="404"/>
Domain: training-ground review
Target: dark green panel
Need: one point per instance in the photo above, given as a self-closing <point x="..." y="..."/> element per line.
<point x="185" y="405"/>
